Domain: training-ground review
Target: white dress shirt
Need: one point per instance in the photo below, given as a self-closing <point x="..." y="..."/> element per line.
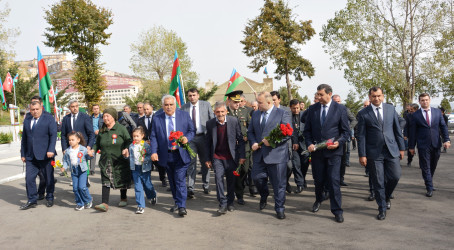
<point x="268" y="112"/>
<point x="31" y="123"/>
<point x="197" y="116"/>
<point x="75" y="119"/>
<point x="326" y="109"/>
<point x="429" y="113"/>
<point x="380" y="109"/>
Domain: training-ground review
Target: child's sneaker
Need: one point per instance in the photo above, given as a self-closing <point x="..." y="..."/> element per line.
<point x="89" y="204"/>
<point x="78" y="208"/>
<point x="140" y="210"/>
<point x="154" y="201"/>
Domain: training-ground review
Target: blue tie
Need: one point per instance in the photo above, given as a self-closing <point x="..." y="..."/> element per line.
<point x="262" y="124"/>
<point x="34" y="123"/>
<point x="323" y="114"/>
<point x="170" y="129"/>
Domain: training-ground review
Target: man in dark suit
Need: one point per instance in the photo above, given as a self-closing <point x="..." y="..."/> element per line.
<point x="426" y="127"/>
<point x="146" y="122"/>
<point x="225" y="147"/>
<point x="37" y="150"/>
<point x="380" y="147"/>
<point x="269" y="162"/>
<point x="300" y="163"/>
<point x="200" y="112"/>
<point x="326" y="120"/>
<point x="175" y="159"/>
<point x="78" y="122"/>
<point x="413" y="108"/>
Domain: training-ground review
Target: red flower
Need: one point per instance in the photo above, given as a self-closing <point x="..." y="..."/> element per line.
<point x="174" y="143"/>
<point x="99" y="151"/>
<point x="52" y="163"/>
<point x="236" y="173"/>
<point x="329" y="142"/>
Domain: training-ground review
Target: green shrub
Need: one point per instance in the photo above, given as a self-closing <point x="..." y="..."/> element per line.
<point x="6" y="137"/>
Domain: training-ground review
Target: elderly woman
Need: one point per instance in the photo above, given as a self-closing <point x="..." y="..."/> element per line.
<point x="113" y="141"/>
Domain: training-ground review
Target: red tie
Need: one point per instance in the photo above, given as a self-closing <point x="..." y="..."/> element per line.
<point x="427" y="117"/>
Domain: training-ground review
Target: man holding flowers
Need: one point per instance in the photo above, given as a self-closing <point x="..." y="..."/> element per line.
<point x="269" y="158"/>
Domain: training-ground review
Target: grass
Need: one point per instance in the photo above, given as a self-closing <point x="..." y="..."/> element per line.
<point x="4" y="118"/>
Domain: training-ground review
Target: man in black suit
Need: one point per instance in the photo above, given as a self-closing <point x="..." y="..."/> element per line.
<point x="300" y="163"/>
<point x="427" y="129"/>
<point x="225" y="147"/>
<point x="326" y="120"/>
<point x="380" y="146"/>
<point x="37" y="150"/>
<point x="413" y="108"/>
<point x="79" y="122"/>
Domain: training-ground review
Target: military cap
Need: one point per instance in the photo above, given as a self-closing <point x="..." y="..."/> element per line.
<point x="235" y="95"/>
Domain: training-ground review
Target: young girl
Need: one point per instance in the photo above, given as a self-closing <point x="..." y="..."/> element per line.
<point x="140" y="163"/>
<point x="75" y="159"/>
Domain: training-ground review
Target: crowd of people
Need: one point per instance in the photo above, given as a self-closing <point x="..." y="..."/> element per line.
<point x="233" y="140"/>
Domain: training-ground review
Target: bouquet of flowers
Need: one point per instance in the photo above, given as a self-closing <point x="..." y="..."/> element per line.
<point x="237" y="171"/>
<point x="320" y="145"/>
<point x="58" y="164"/>
<point x="278" y="133"/>
<point x="177" y="137"/>
<point x="143" y="151"/>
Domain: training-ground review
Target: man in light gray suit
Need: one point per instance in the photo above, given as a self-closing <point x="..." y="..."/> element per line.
<point x="269" y="162"/>
<point x="380" y="146"/>
<point x="200" y="112"/>
<point x="225" y="147"/>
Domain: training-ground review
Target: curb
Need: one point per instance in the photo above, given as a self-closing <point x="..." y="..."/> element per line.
<point x="12" y="178"/>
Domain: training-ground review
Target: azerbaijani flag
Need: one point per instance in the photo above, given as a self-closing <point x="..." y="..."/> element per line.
<point x="235" y="80"/>
<point x="265" y="71"/>
<point x="16" y="78"/>
<point x="175" y="83"/>
<point x="45" y="83"/>
<point x="3" y="95"/>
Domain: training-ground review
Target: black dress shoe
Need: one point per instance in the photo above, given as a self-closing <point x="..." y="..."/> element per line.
<point x="231" y="208"/>
<point x="280" y="215"/>
<point x="388" y="204"/>
<point x="326" y="196"/>
<point x="381" y="215"/>
<point x="342" y="183"/>
<point x="288" y="189"/>
<point x="262" y="205"/>
<point x="339" y="218"/>
<point x="49" y="203"/>
<point x="182" y="211"/>
<point x="316" y="207"/>
<point x="299" y="189"/>
<point x="391" y="196"/>
<point x="222" y="210"/>
<point x="241" y="201"/>
<point x="28" y="205"/>
<point x="164" y="183"/>
<point x="371" y="197"/>
<point x="41" y="197"/>
<point x="174" y="208"/>
<point x="190" y="194"/>
<point x="429" y="193"/>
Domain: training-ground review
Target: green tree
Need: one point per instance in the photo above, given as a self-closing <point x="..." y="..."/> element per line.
<point x="7" y="36"/>
<point x="446" y="105"/>
<point x="204" y="94"/>
<point x="351" y="103"/>
<point x="79" y="27"/>
<point x="285" y="101"/>
<point x="386" y="43"/>
<point x="275" y="35"/>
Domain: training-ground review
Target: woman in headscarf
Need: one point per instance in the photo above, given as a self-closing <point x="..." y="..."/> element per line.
<point x="113" y="141"/>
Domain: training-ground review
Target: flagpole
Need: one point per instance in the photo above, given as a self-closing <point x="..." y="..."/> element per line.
<point x="249" y="85"/>
<point x="182" y="87"/>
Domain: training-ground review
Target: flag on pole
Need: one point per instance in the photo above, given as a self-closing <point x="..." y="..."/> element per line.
<point x="16" y="78"/>
<point x="8" y="84"/>
<point x="235" y="80"/>
<point x="45" y="83"/>
<point x="3" y="95"/>
<point x="265" y="71"/>
<point x="175" y="83"/>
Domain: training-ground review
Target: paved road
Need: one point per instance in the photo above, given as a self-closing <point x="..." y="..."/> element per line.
<point x="414" y="221"/>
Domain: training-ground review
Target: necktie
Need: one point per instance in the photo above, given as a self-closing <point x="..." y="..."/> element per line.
<point x="193" y="117"/>
<point x="148" y="122"/>
<point x="380" y="120"/>
<point x="262" y="124"/>
<point x="323" y="114"/>
<point x="33" y="125"/>
<point x="427" y="117"/>
<point x="170" y="129"/>
<point x="74" y="121"/>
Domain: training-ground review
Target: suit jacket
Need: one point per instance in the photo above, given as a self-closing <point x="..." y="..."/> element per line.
<point x="234" y="138"/>
<point x="336" y="126"/>
<point x="372" y="137"/>
<point x="84" y="125"/>
<point x="159" y="140"/>
<point x="42" y="140"/>
<point x="141" y="122"/>
<point x="424" y="135"/>
<point x="285" y="108"/>
<point x="298" y="137"/>
<point x="205" y="112"/>
<point x="277" y="155"/>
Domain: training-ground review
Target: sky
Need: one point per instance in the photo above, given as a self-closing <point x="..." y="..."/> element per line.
<point x="211" y="29"/>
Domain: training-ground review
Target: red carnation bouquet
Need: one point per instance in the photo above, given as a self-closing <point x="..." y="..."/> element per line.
<point x="320" y="145"/>
<point x="177" y="137"/>
<point x="278" y="133"/>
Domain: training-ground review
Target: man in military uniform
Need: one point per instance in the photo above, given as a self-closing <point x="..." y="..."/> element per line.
<point x="234" y="101"/>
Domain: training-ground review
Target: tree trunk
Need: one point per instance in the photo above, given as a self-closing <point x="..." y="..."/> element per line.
<point x="289" y="86"/>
